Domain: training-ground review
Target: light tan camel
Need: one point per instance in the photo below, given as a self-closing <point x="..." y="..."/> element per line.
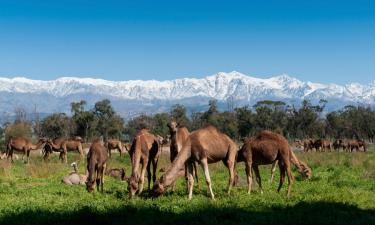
<point x="74" y="178"/>
<point x="267" y="148"/>
<point x="178" y="135"/>
<point x="206" y="145"/>
<point x="24" y="145"/>
<point x="114" y="144"/>
<point x="144" y="150"/>
<point x="63" y="146"/>
<point x="96" y="164"/>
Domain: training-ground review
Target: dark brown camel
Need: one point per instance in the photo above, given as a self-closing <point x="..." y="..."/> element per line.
<point x="206" y="145"/>
<point x="24" y="145"/>
<point x="144" y="150"/>
<point x="63" y="146"/>
<point x="178" y="135"/>
<point x="266" y="148"/>
<point x="114" y="144"/>
<point x="96" y="164"/>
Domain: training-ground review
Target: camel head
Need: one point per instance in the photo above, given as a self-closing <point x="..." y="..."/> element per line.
<point x="43" y="140"/>
<point x="132" y="186"/>
<point x="158" y="189"/>
<point x="305" y="171"/>
<point x="173" y="125"/>
<point x="90" y="185"/>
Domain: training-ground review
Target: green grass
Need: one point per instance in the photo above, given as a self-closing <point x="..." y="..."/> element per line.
<point x="341" y="191"/>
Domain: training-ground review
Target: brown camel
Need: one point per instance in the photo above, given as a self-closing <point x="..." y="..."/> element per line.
<point x="49" y="149"/>
<point x="63" y="146"/>
<point x="96" y="164"/>
<point x="206" y="145"/>
<point x="114" y="144"/>
<point x="144" y="150"/>
<point x="337" y="144"/>
<point x="308" y="145"/>
<point x="178" y="135"/>
<point x="116" y="173"/>
<point x="266" y="148"/>
<point x="355" y="145"/>
<point x="24" y="145"/>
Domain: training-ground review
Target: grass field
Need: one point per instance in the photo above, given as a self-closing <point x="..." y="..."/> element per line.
<point x="341" y="191"/>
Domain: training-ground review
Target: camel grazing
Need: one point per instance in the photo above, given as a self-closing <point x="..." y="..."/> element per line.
<point x="63" y="146"/>
<point x="267" y="148"/>
<point x="74" y="178"/>
<point x="337" y="144"/>
<point x="114" y="144"/>
<point x="206" y="145"/>
<point x="308" y="144"/>
<point x="355" y="145"/>
<point x="96" y="164"/>
<point x="24" y="145"/>
<point x="178" y="135"/>
<point x="116" y="173"/>
<point x="144" y="150"/>
<point x="49" y="149"/>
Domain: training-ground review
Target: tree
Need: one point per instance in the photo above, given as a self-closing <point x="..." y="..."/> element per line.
<point x="56" y="125"/>
<point x="108" y="123"/>
<point x="245" y="120"/>
<point x="85" y="121"/>
<point x="178" y="113"/>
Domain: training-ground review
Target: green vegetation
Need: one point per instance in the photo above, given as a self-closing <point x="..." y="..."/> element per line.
<point x="341" y="191"/>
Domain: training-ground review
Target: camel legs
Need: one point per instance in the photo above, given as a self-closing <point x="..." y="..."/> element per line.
<point x="149" y="174"/>
<point x="142" y="178"/>
<point x="195" y="165"/>
<point x="102" y="176"/>
<point x="230" y="165"/>
<point x="290" y="178"/>
<point x="257" y="176"/>
<point x="10" y="154"/>
<point x="27" y="155"/>
<point x="273" y="170"/>
<point x="207" y="175"/>
<point x="154" y="169"/>
<point x="249" y="176"/>
<point x="282" y="176"/>
<point x="189" y="169"/>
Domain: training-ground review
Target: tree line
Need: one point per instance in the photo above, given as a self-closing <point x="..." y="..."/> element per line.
<point x="305" y="121"/>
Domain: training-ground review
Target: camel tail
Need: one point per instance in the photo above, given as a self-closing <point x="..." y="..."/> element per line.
<point x="302" y="167"/>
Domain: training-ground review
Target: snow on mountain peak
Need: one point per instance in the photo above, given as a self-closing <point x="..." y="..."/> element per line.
<point x="220" y="86"/>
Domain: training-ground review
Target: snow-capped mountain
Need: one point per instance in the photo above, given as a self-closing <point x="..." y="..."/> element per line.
<point x="136" y="96"/>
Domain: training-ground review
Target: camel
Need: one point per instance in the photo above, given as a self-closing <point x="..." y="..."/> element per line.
<point x="24" y="145"/>
<point x="337" y="144"/>
<point x="267" y="148"/>
<point x="63" y="146"/>
<point x="308" y="144"/>
<point x="116" y="173"/>
<point x="178" y="136"/>
<point x="74" y="178"/>
<point x="49" y="149"/>
<point x="355" y="144"/>
<point x="96" y="164"/>
<point x="114" y="144"/>
<point x="206" y="145"/>
<point x="145" y="149"/>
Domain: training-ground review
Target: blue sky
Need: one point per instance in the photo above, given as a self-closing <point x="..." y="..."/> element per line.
<point x="321" y="41"/>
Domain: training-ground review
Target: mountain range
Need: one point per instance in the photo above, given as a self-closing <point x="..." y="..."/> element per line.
<point x="132" y="97"/>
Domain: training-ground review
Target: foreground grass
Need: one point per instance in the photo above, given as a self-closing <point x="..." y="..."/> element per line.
<point x="342" y="191"/>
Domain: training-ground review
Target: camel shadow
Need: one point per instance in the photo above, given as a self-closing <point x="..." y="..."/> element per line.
<point x="325" y="213"/>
